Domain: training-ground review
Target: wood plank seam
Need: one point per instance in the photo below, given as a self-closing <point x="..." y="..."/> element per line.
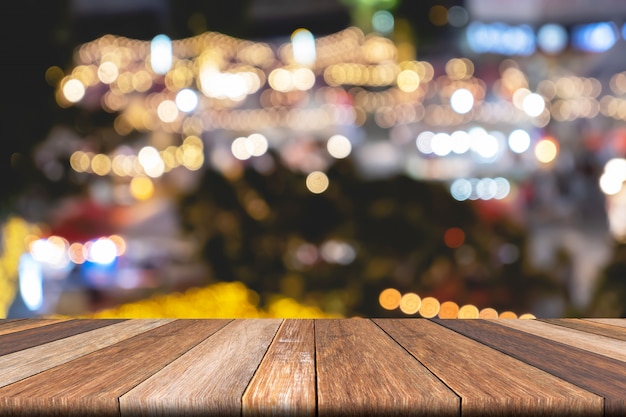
<point x="25" y="363"/>
<point x="594" y="328"/>
<point x="566" y="362"/>
<point x="384" y="377"/>
<point x="211" y="378"/>
<point x="269" y="346"/>
<point x="420" y="362"/>
<point x="83" y="387"/>
<point x="315" y="369"/>
<point x="462" y="362"/>
<point x="173" y="360"/>
<point x="504" y="351"/>
<point x="164" y="365"/>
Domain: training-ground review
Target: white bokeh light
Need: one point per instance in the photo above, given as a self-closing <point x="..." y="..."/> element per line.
<point x="339" y="146"/>
<point x="151" y="161"/>
<point x="161" y="54"/>
<point x="533" y="104"/>
<point x="103" y="251"/>
<point x="441" y="144"/>
<point x="461" y="189"/>
<point x="31" y="282"/>
<point x="186" y="100"/>
<point x="424" y="142"/>
<point x="462" y="101"/>
<point x="303" y="43"/>
<point x="483" y="143"/>
<point x="552" y="38"/>
<point x="461" y="142"/>
<point x="519" y="141"/>
<point x="610" y="184"/>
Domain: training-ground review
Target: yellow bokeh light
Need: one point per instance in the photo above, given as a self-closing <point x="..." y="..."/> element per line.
<point x="507" y="315"/>
<point x="448" y="310"/>
<point x="141" y="188"/>
<point x="101" y="164"/>
<point x="410" y="303"/>
<point x="303" y="79"/>
<point x="73" y="90"/>
<point x="317" y="182"/>
<point x="281" y="79"/>
<point x="77" y="253"/>
<point x="546" y="150"/>
<point x="141" y="81"/>
<point x="408" y="80"/>
<point x="80" y="161"/>
<point x="459" y="69"/>
<point x="488" y="313"/>
<point x="119" y="242"/>
<point x="167" y="111"/>
<point x="429" y="307"/>
<point x="389" y="298"/>
<point x="107" y="72"/>
<point x="192" y="157"/>
<point x="468" y="311"/>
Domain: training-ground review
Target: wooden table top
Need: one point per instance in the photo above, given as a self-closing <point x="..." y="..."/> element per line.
<point x="300" y="367"/>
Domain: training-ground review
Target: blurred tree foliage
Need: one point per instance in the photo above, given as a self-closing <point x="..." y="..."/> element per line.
<point x="610" y="290"/>
<point x="396" y="225"/>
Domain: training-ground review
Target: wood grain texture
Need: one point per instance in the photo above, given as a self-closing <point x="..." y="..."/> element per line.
<point x="608" y="322"/>
<point x="284" y="384"/>
<point x="16" y="325"/>
<point x="572" y="336"/>
<point x="19" y="365"/>
<point x="338" y="367"/>
<point x="489" y="382"/>
<point x="362" y="371"/>
<point x="91" y="385"/>
<point x="209" y="379"/>
<point x="24" y="339"/>
<point x="596" y="373"/>
<point x="614" y="332"/>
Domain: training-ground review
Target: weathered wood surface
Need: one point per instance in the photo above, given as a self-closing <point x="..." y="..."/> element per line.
<point x="256" y="367"/>
<point x="285" y="381"/>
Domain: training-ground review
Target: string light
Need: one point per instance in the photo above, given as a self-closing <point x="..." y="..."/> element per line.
<point x="411" y="304"/>
<point x="212" y="81"/>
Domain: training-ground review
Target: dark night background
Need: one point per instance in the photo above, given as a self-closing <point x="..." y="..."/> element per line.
<point x="397" y="221"/>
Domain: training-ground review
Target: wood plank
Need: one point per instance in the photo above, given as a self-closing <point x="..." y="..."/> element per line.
<point x="284" y="384"/>
<point x="16" y="325"/>
<point x="489" y="382"/>
<point x="91" y="385"/>
<point x="596" y="373"/>
<point x="19" y="365"/>
<point x="362" y="371"/>
<point x="603" y="345"/>
<point x="609" y="321"/>
<point x="210" y="379"/>
<point x="24" y="339"/>
<point x="606" y="330"/>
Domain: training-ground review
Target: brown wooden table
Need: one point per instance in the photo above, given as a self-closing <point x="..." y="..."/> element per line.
<point x="332" y="367"/>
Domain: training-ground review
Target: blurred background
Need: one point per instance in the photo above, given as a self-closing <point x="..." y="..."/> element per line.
<point x="329" y="158"/>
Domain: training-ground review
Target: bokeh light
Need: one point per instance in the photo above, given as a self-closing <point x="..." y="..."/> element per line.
<point x="317" y="182"/>
<point x="339" y="146"/>
<point x="389" y="298"/>
<point x="462" y="100"/>
<point x="546" y="150"/>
